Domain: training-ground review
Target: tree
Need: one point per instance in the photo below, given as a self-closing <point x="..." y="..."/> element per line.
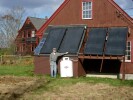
<point x="10" y="23"/>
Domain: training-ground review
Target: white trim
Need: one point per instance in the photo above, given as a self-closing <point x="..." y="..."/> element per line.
<point x="86" y="10"/>
<point x="127" y="76"/>
<point x="86" y="18"/>
<point x="127" y="60"/>
<point x="129" y="51"/>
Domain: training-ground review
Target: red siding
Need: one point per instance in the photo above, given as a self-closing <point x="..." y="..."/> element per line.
<point x="23" y="34"/>
<point x="105" y="14"/>
<point x="132" y="50"/>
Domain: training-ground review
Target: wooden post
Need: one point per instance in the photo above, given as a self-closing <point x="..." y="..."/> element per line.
<point x="1" y="59"/>
<point x="101" y="65"/>
<point x="123" y="69"/>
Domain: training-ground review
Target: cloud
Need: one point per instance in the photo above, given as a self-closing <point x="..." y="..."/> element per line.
<point x="29" y="3"/>
<point x="40" y="8"/>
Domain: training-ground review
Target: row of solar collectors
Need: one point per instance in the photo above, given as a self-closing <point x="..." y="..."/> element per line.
<point x="68" y="39"/>
<point x="64" y="39"/>
<point x="108" y="41"/>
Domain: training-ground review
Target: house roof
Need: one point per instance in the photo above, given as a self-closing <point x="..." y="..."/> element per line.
<point x="37" y="22"/>
<point x="66" y="2"/>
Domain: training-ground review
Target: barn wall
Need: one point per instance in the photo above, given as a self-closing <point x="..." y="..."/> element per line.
<point x="128" y="68"/>
<point x="42" y="66"/>
<point x="104" y="15"/>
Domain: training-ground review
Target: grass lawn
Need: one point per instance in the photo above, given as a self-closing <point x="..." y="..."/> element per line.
<point x="22" y="67"/>
<point x="82" y="88"/>
<point x="54" y="83"/>
<point x="27" y="70"/>
<point x="69" y="88"/>
<point x="16" y="70"/>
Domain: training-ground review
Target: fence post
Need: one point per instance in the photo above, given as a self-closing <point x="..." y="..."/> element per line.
<point x="1" y="59"/>
<point x="20" y="58"/>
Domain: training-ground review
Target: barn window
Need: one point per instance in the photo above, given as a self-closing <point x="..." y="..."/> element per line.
<point x="86" y="9"/>
<point x="128" y="52"/>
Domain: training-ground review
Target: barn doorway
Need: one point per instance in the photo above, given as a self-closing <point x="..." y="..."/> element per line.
<point x="109" y="66"/>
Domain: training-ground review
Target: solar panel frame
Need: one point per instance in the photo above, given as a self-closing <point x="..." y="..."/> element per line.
<point x="116" y="43"/>
<point x="42" y="41"/>
<point x="95" y="42"/>
<point x="72" y="40"/>
<point x="40" y="45"/>
<point x="53" y="39"/>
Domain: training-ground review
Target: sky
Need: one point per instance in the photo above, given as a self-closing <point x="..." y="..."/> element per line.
<point x="35" y="8"/>
<point x="42" y="8"/>
<point x="127" y="5"/>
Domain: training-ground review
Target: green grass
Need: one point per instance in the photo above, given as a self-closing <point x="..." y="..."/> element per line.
<point x="54" y="83"/>
<point x="27" y="70"/>
<point x="16" y="70"/>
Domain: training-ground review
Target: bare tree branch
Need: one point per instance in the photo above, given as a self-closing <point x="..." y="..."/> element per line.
<point x="10" y="23"/>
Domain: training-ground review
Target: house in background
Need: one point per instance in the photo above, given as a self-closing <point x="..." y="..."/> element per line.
<point x="93" y="14"/>
<point x="27" y="39"/>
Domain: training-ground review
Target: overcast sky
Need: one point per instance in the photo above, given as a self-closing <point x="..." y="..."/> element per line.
<point x="42" y="8"/>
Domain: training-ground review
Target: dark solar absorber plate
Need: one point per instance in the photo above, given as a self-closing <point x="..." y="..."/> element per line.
<point x="41" y="43"/>
<point x="47" y="31"/>
<point x="95" y="41"/>
<point x="53" y="40"/>
<point x="116" y="43"/>
<point x="72" y="40"/>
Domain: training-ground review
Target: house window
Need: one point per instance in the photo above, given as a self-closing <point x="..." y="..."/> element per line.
<point x="87" y="9"/>
<point x="24" y="34"/>
<point x="29" y="34"/>
<point x="128" y="52"/>
<point x="33" y="34"/>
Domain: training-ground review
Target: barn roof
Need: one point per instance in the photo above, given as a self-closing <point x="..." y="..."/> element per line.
<point x="53" y="16"/>
<point x="66" y="2"/>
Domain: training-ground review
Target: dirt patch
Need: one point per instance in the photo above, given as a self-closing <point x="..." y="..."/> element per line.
<point x="12" y="87"/>
<point x="84" y="91"/>
<point x="21" y="88"/>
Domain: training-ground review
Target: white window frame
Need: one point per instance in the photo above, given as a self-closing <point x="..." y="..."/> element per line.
<point x="86" y="9"/>
<point x="126" y="55"/>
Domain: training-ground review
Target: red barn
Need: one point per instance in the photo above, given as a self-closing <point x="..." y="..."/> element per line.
<point x="27" y="40"/>
<point x="93" y="14"/>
